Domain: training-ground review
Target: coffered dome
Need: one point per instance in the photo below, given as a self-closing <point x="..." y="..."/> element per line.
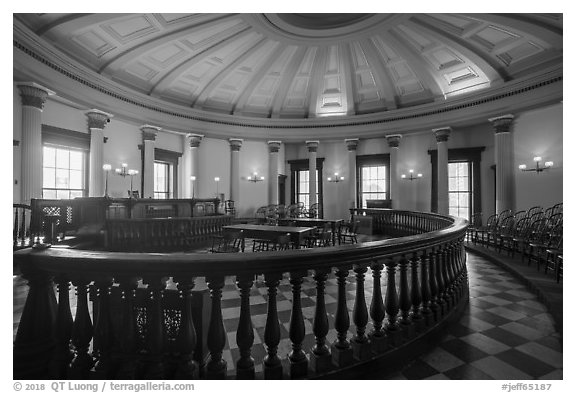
<point x="301" y="66"/>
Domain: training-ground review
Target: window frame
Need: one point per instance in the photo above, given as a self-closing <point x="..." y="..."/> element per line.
<point x="169" y="182"/>
<point x="65" y="139"/>
<point x="470" y="191"/>
<point x="371" y="160"/>
<point x="470" y="154"/>
<point x="302" y="165"/>
<point x="167" y="156"/>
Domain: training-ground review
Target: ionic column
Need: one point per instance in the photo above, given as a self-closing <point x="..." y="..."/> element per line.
<point x="352" y="145"/>
<point x="148" y="141"/>
<point x="33" y="99"/>
<point x="235" y="145"/>
<point x="442" y="135"/>
<point x="96" y="122"/>
<point x="195" y="162"/>
<point x="504" y="159"/>
<point x="273" y="149"/>
<point x="394" y="145"/>
<point x="312" y="149"/>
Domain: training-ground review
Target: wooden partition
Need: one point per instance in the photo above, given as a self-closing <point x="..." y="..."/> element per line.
<point x="420" y="283"/>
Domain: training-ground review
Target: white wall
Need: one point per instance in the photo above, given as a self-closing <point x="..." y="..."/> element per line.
<point x="16" y="150"/>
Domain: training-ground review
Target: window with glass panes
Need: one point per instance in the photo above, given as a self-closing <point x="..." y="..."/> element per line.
<point x="64" y="172"/>
<point x="162" y="180"/>
<point x="303" y="188"/>
<point x="373" y="183"/>
<point x="459" y="189"/>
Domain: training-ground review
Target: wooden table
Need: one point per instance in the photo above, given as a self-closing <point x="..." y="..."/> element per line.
<point x="270" y="232"/>
<point x="314" y="222"/>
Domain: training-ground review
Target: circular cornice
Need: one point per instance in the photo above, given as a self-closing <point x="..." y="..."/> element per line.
<point x="36" y="60"/>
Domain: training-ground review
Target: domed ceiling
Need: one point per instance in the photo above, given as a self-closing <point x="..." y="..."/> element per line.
<point x="304" y="65"/>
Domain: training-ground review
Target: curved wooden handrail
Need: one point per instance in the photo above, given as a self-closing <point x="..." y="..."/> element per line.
<point x="431" y="253"/>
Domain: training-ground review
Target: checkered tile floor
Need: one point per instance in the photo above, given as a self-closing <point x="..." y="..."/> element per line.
<point x="505" y="333"/>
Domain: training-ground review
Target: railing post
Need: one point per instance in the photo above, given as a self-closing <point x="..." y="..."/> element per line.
<point x="272" y="363"/>
<point x="216" y="366"/>
<point x="427" y="312"/>
<point x="155" y="336"/>
<point x="405" y="301"/>
<point x="392" y="305"/>
<point x="245" y="332"/>
<point x="128" y="332"/>
<point x="441" y="296"/>
<point x="36" y="336"/>
<point x="360" y="342"/>
<point x="434" y="292"/>
<point x="320" y="358"/>
<point x="377" y="311"/>
<point x="342" y="354"/>
<point x="297" y="357"/>
<point x="102" y="329"/>
<point x="82" y="332"/>
<point x="62" y="353"/>
<point x="186" y="340"/>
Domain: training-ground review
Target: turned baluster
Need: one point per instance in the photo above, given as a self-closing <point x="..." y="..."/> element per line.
<point x="128" y="332"/>
<point x="16" y="227"/>
<point x="441" y="295"/>
<point x="377" y="311"/>
<point x="391" y="302"/>
<point x="341" y="349"/>
<point x="82" y="332"/>
<point x="425" y="283"/>
<point x="360" y="312"/>
<point x="272" y="363"/>
<point x="405" y="301"/>
<point x="297" y="357"/>
<point x="186" y="340"/>
<point x="63" y="353"/>
<point x="450" y="273"/>
<point x="155" y="336"/>
<point x="416" y="292"/>
<point x="320" y="356"/>
<point x="216" y="366"/>
<point x="103" y="328"/>
<point x="245" y="332"/>
<point x="432" y="262"/>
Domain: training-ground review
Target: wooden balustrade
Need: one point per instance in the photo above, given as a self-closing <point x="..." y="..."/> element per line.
<point x="21" y="227"/>
<point x="135" y="334"/>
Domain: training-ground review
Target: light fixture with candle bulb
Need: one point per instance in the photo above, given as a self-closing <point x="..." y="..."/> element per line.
<point x="255" y="178"/>
<point x="124" y="171"/>
<point x="412" y="177"/>
<point x="538" y="168"/>
<point x="336" y="179"/>
<point x="217" y="180"/>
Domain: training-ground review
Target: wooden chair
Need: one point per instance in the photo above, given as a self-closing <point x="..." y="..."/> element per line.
<point x="229" y="242"/>
<point x="350" y="233"/>
<point x="475" y="224"/>
<point x="229" y="208"/>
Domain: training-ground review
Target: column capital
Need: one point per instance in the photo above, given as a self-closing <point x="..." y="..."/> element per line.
<point x="33" y="94"/>
<point x="352" y="143"/>
<point x="502" y="123"/>
<point x="149" y="132"/>
<point x="97" y="118"/>
<point x="442" y="134"/>
<point x="274" y="146"/>
<point x="393" y="140"/>
<point x="195" y="139"/>
<point x="312" y="146"/>
<point x="235" y="144"/>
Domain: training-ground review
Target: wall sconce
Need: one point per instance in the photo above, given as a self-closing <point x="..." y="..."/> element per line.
<point x="538" y="169"/>
<point x="255" y="178"/>
<point x="124" y="171"/>
<point x="107" y="168"/>
<point x="217" y="180"/>
<point x="412" y="177"/>
<point x="336" y="179"/>
<point x="193" y="180"/>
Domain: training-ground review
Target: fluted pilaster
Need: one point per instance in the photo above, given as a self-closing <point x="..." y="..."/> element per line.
<point x="442" y="135"/>
<point x="504" y="159"/>
<point x="97" y="121"/>
<point x="394" y="145"/>
<point x="149" y="134"/>
<point x="273" y="149"/>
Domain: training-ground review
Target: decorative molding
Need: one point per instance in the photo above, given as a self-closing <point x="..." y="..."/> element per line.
<point x="33" y="94"/>
<point x="502" y="123"/>
<point x="98" y="118"/>
<point x="393" y="140"/>
<point x="15" y="142"/>
<point x="149" y="132"/>
<point x="352" y="143"/>
<point x="235" y="144"/>
<point x="442" y="134"/>
<point x="274" y="146"/>
<point x="195" y="139"/>
<point x="312" y="146"/>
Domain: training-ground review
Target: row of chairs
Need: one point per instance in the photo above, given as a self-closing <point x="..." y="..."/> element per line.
<point x="536" y="234"/>
<point x="272" y="213"/>
<point x="231" y="242"/>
